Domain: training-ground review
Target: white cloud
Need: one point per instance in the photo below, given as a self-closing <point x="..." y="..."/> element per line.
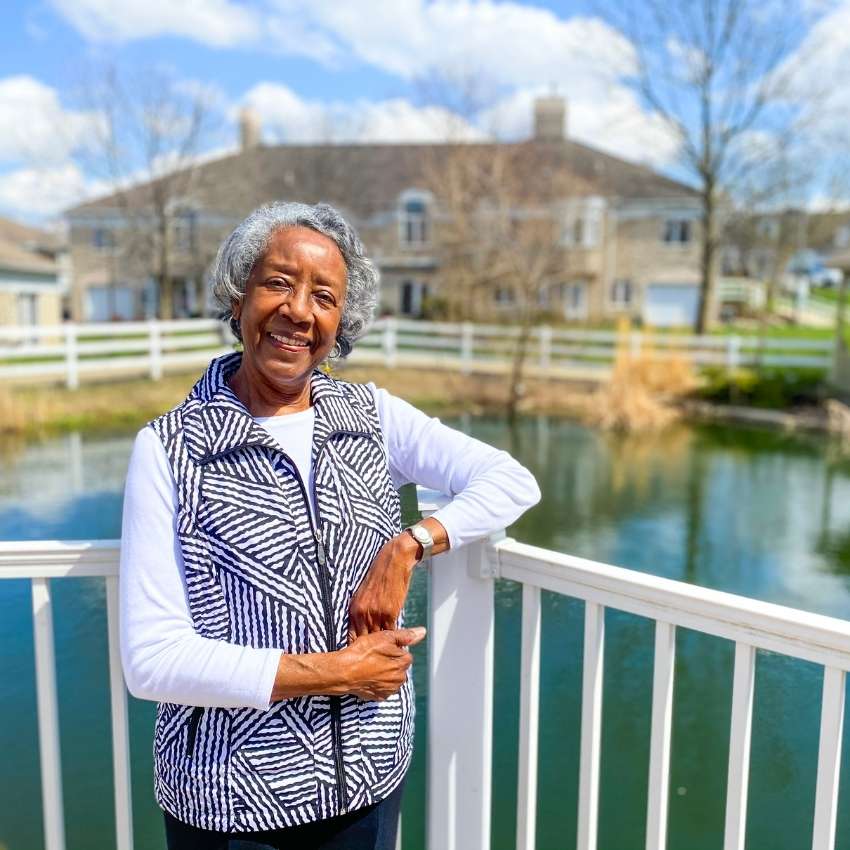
<point x="35" y="124"/>
<point x="507" y="42"/>
<point x="219" y="23"/>
<point x="513" y="48"/>
<point x="35" y="192"/>
<point x="288" y="118"/>
<point x="614" y="123"/>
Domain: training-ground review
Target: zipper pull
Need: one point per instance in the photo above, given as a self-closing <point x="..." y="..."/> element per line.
<point x="320" y="549"/>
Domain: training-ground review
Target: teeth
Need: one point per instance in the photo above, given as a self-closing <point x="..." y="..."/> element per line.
<point x="289" y="340"/>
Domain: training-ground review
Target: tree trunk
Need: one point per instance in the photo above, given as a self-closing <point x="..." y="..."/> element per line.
<point x="841" y="306"/>
<point x="166" y="297"/>
<point x="708" y="262"/>
<point x="518" y="366"/>
<point x="166" y="285"/>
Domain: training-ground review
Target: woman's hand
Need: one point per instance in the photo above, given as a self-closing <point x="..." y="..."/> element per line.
<point x="380" y="597"/>
<point x="375" y="665"/>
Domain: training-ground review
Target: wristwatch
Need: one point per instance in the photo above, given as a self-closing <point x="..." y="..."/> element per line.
<point x="423" y="537"/>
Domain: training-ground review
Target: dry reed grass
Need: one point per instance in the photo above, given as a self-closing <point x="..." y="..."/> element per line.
<point x="643" y="390"/>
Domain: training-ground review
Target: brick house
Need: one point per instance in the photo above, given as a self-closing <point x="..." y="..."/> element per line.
<point x="631" y="234"/>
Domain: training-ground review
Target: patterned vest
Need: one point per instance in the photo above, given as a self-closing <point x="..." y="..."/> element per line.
<point x="261" y="573"/>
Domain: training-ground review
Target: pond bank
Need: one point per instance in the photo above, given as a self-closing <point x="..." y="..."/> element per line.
<point x="40" y="410"/>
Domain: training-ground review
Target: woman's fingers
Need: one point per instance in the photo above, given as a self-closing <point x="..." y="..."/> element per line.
<point x="409" y="637"/>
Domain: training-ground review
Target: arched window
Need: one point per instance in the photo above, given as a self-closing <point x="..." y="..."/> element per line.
<point x="413" y="220"/>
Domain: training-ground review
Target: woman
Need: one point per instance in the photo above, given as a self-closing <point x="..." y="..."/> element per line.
<point x="263" y="563"/>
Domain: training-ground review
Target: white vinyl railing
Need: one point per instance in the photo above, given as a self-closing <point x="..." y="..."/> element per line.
<point x="460" y="671"/>
<point x="72" y="353"/>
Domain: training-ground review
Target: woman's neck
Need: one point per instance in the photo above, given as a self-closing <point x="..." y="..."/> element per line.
<point x="261" y="399"/>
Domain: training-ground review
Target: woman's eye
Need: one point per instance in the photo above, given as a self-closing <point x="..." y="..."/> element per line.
<point x="325" y="297"/>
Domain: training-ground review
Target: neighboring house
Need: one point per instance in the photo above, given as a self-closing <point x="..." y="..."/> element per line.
<point x="793" y="248"/>
<point x="630" y="236"/>
<point x="32" y="277"/>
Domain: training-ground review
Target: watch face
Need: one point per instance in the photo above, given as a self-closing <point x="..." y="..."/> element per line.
<point x="422" y="535"/>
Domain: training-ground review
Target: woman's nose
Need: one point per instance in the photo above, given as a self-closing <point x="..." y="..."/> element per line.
<point x="297" y="305"/>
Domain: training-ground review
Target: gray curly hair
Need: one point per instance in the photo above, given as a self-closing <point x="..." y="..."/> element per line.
<point x="240" y="251"/>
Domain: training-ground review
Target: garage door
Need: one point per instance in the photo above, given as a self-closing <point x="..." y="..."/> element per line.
<point x="669" y="304"/>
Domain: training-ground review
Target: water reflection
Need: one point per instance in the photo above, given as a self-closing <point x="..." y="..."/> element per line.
<point x="748" y="511"/>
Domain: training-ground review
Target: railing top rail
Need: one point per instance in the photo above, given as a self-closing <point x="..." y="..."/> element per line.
<point x="58" y="558"/>
<point x="777" y="628"/>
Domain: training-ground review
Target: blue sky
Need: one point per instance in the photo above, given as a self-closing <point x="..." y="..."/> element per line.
<point x="325" y="69"/>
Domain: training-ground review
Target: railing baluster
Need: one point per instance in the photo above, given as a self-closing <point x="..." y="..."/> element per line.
<point x="591" y="726"/>
<point x="829" y="758"/>
<point x="48" y="716"/>
<point x="659" y="747"/>
<point x="529" y="708"/>
<point x="737" y="783"/>
<point x="120" y="727"/>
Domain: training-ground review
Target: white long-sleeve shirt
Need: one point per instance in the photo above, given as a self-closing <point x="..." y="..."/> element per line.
<point x="165" y="659"/>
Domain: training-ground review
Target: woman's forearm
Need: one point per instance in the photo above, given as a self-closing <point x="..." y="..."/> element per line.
<point x="309" y="674"/>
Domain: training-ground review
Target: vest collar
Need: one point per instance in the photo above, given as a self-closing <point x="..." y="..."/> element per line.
<point x="218" y="423"/>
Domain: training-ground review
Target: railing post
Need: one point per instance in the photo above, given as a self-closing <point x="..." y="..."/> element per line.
<point x="635" y="343"/>
<point x="545" y="347"/>
<point x="733" y="352"/>
<point x="155" y="347"/>
<point x="389" y="342"/>
<point x="467" y="347"/>
<point x="72" y="369"/>
<point x="460" y="698"/>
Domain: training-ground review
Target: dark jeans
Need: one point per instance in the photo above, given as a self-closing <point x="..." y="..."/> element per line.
<point x="370" y="828"/>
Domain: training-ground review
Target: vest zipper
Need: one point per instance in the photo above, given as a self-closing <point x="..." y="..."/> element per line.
<point x="194" y="721"/>
<point x="336" y="708"/>
<point x="335" y="702"/>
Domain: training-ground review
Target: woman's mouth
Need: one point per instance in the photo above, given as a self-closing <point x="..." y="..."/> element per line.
<point x="288" y="343"/>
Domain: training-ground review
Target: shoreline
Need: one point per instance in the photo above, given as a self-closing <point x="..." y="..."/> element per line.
<point x="30" y="412"/>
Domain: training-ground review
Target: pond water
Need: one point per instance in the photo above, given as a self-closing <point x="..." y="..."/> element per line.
<point x="747" y="511"/>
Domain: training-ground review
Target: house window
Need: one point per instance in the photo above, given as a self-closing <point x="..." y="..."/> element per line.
<point x="677" y="231"/>
<point x="768" y="227"/>
<point x="574" y="300"/>
<point x="413" y="293"/>
<point x="582" y="223"/>
<point x="102" y="239"/>
<point x="414" y="222"/>
<point x="842" y="236"/>
<point x="622" y="293"/>
<point x="503" y="296"/>
<point x="578" y="232"/>
<point x="27" y="309"/>
<point x="184" y="231"/>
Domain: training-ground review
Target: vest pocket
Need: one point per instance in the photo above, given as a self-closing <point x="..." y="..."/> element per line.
<point x="192" y="730"/>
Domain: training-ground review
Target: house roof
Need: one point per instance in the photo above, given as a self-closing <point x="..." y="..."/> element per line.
<point x="26" y="249"/>
<point x="365" y="179"/>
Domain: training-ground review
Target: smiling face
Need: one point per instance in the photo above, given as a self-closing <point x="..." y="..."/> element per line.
<point x="291" y="310"/>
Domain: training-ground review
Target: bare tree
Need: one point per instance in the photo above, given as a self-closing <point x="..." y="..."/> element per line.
<point x="719" y="73"/>
<point x="498" y="228"/>
<point x="150" y="134"/>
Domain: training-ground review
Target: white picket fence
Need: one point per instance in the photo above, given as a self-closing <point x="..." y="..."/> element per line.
<point x="461" y="646"/>
<point x="71" y="353"/>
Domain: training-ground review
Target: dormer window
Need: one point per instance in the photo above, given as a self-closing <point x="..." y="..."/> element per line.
<point x="413" y="223"/>
<point x="581" y="225"/>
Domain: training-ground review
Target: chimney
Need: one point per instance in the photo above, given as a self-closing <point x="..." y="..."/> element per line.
<point x="550" y="117"/>
<point x="250" y="128"/>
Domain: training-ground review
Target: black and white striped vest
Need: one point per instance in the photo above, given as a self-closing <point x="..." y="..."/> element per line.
<point x="261" y="573"/>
